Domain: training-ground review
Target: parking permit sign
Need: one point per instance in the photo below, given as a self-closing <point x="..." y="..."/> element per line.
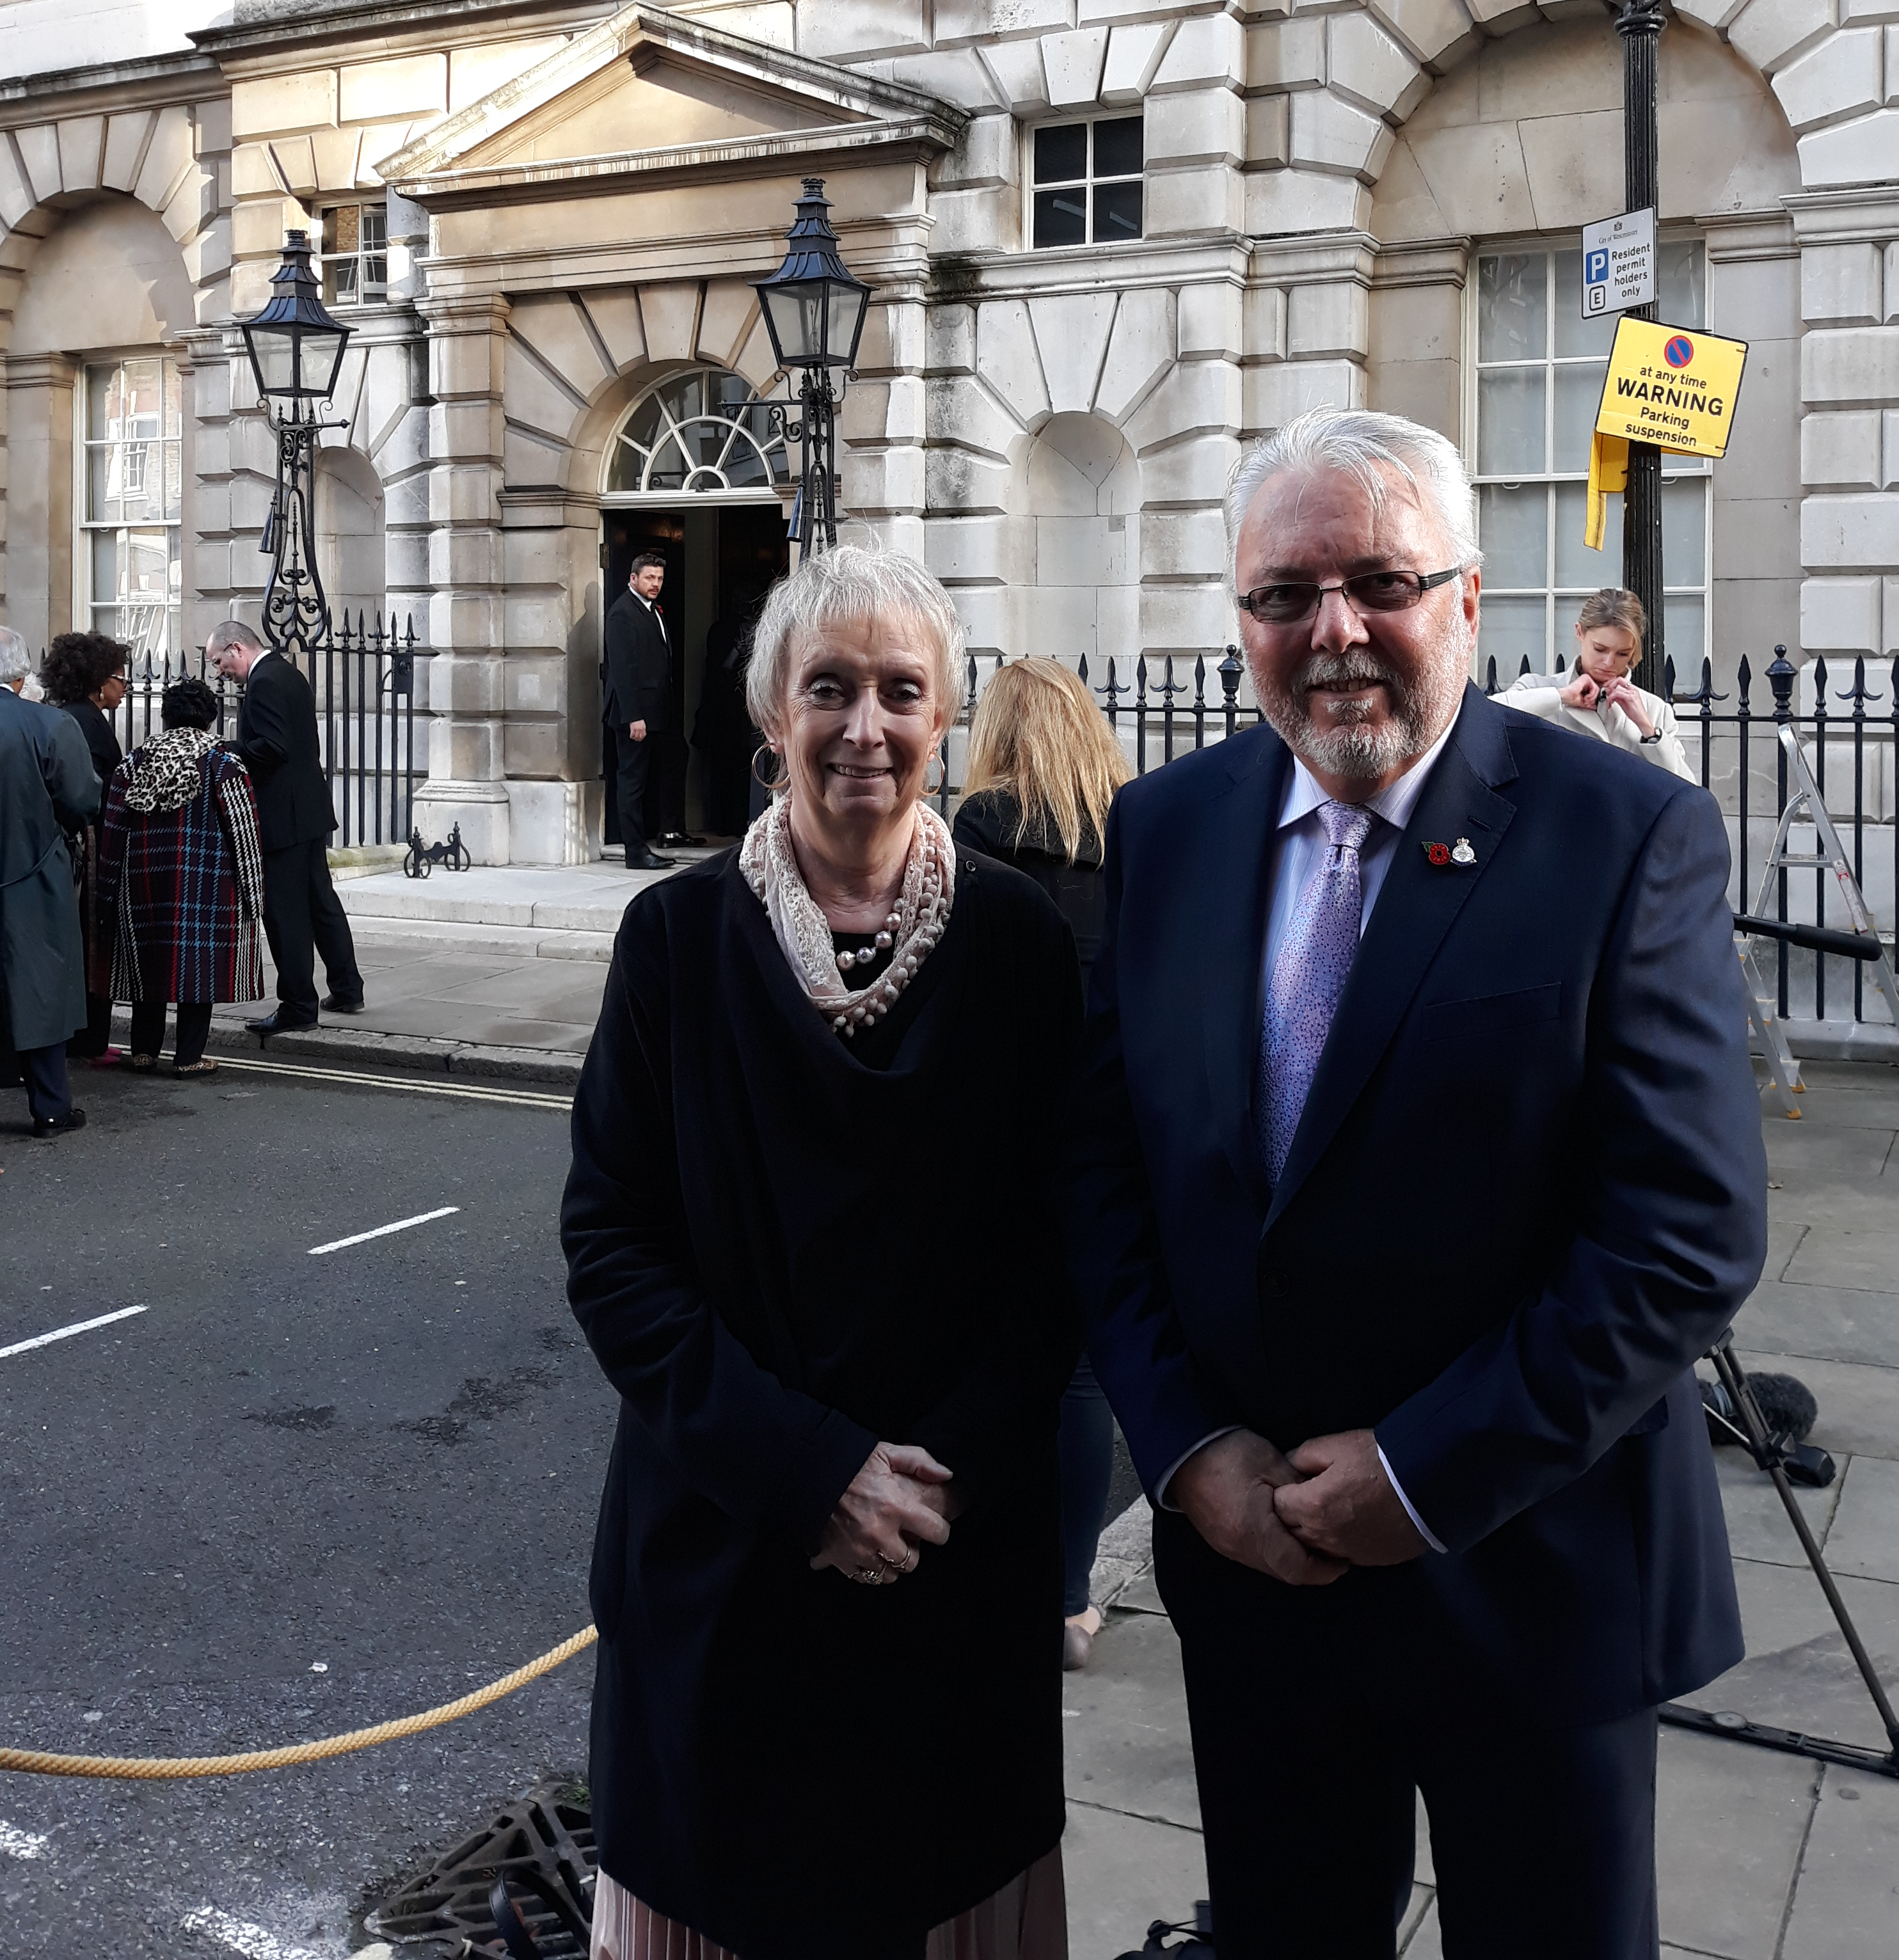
<point x="1672" y="385"/>
<point x="1618" y="263"/>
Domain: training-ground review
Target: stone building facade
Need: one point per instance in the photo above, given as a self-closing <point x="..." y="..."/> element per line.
<point x="1109" y="241"/>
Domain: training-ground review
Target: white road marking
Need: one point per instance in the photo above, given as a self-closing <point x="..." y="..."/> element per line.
<point x="383" y="1231"/>
<point x="256" y="1942"/>
<point x="524" y="1098"/>
<point x="15" y="1843"/>
<point x="67" y="1333"/>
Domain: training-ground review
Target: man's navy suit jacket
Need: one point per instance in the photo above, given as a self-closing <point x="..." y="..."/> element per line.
<point x="1528" y="1189"/>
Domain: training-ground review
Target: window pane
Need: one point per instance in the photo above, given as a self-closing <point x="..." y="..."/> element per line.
<point x="1061" y="218"/>
<point x="145" y="404"/>
<point x="1510" y="422"/>
<point x="1061" y="155"/>
<point x="1574" y="335"/>
<point x="1511" y="631"/>
<point x="1578" y="394"/>
<point x="1117" y="148"/>
<point x="375" y="227"/>
<point x="623" y="467"/>
<point x="102" y="484"/>
<point x="102" y="391"/>
<point x="1683" y="532"/>
<point x="1512" y="307"/>
<point x="1512" y="524"/>
<point x="105" y="566"/>
<point x="1680" y="284"/>
<point x="174" y="416"/>
<point x="1684" y="619"/>
<point x="1117" y="212"/>
<point x="1579" y="568"/>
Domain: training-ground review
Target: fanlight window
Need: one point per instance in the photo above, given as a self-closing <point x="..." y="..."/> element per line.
<point x="700" y="433"/>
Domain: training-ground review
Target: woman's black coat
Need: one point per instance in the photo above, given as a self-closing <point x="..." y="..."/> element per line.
<point x="991" y="822"/>
<point x="781" y="1256"/>
<point x="101" y="743"/>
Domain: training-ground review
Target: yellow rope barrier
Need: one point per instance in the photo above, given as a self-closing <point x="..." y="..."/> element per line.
<point x="40" y="1762"/>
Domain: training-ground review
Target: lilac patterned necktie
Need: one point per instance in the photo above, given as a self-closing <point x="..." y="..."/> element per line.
<point x="1302" y="990"/>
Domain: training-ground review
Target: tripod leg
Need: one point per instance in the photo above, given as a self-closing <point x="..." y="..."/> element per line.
<point x="1761" y="1444"/>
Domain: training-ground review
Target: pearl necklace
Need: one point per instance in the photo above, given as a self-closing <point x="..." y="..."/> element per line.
<point x="909" y="933"/>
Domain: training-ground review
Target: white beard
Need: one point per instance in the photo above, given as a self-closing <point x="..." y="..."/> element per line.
<point x="1350" y="746"/>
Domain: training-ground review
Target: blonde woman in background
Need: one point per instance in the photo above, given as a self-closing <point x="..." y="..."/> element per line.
<point x="1597" y="698"/>
<point x="1044" y="767"/>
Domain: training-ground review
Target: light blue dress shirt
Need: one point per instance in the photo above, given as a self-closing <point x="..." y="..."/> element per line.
<point x="1299" y="848"/>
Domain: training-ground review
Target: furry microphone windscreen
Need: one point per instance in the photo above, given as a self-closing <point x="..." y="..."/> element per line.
<point x="1787" y="1407"/>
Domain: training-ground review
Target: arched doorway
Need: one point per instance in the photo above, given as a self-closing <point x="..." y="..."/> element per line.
<point x="697" y="471"/>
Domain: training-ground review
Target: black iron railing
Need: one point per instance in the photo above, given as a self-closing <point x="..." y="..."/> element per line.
<point x="364" y="678"/>
<point x="1850" y="734"/>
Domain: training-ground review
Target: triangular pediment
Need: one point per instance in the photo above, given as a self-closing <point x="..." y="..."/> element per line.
<point x="646" y="87"/>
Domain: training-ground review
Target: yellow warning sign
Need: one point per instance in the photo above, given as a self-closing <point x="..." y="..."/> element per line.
<point x="1671" y="386"/>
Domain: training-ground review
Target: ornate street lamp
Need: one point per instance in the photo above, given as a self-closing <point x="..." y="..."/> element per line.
<point x="814" y="312"/>
<point x="295" y="351"/>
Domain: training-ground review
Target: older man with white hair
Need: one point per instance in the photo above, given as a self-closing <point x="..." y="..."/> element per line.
<point x="303" y="917"/>
<point x="1418" y="1157"/>
<point x="48" y="790"/>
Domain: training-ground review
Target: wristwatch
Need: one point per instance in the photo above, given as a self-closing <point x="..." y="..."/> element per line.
<point x="1656" y="737"/>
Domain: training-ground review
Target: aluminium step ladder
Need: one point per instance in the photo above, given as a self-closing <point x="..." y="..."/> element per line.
<point x="1805" y="804"/>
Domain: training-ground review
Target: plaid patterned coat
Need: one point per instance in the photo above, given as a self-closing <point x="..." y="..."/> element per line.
<point x="186" y="888"/>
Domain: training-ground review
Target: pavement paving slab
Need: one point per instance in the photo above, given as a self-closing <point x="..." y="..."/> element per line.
<point x="1728" y="1839"/>
<point x="1847" y="1906"/>
<point x="1863" y="1540"/>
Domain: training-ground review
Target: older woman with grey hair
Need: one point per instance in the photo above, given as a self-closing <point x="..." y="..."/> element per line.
<point x="811" y="1240"/>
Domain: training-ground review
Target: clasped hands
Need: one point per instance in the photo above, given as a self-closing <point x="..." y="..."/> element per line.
<point x="1304" y="1518"/>
<point x="901" y="1500"/>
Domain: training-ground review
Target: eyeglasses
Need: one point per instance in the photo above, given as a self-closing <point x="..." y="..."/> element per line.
<point x="1368" y="592"/>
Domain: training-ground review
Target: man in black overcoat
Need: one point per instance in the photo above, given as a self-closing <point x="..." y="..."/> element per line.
<point x="638" y="683"/>
<point x="303" y="917"/>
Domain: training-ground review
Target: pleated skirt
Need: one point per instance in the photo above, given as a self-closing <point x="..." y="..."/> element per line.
<point x="1028" y="1919"/>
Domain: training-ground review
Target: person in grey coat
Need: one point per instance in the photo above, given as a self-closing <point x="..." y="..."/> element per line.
<point x="47" y="790"/>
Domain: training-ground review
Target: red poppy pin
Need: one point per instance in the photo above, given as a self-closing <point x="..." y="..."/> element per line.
<point x="1439" y="853"/>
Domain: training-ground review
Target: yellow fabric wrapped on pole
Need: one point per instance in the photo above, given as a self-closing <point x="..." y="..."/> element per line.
<point x="1608" y="471"/>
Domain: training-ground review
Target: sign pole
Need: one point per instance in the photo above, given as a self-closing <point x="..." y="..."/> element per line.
<point x="1639" y="24"/>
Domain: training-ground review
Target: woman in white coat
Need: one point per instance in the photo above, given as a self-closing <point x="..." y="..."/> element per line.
<point x="1598" y="699"/>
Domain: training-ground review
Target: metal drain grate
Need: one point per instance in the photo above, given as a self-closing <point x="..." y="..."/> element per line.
<point x="539" y="1843"/>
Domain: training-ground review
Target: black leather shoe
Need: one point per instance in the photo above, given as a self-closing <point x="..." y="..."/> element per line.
<point x="649" y="860"/>
<point x="57" y="1126"/>
<point x="332" y="1004"/>
<point x="279" y="1023"/>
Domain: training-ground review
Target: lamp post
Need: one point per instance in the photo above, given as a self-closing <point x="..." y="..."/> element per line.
<point x="295" y="350"/>
<point x="814" y="312"/>
<point x="1639" y="24"/>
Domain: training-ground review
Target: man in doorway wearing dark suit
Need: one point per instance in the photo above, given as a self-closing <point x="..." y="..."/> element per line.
<point x="1418" y="1157"/>
<point x="277" y="738"/>
<point x="639" y="668"/>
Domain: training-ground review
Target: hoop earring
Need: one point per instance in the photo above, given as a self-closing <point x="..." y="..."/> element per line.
<point x="930" y="788"/>
<point x="783" y="782"/>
